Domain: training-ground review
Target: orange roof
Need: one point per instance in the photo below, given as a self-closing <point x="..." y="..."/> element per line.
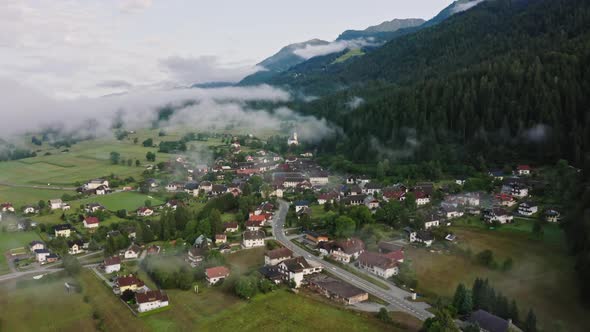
<point x="216" y="272"/>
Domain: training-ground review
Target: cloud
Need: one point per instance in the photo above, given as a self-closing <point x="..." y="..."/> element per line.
<point x="537" y="134"/>
<point x="213" y="109"/>
<point x="133" y="6"/>
<point x="189" y="70"/>
<point x="310" y="51"/>
<point x="461" y="7"/>
<point x="114" y="84"/>
<point x="355" y="102"/>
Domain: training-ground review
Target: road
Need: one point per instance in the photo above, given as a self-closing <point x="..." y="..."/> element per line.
<point x="32" y="186"/>
<point x="394" y="296"/>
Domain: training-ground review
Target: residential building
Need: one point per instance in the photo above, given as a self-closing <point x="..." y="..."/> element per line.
<point x="41" y="255"/>
<point x="64" y="230"/>
<point x="347" y="250"/>
<point x="523" y="170"/>
<point x="129" y="282"/>
<point x="295" y="269"/>
<point x="253" y="239"/>
<point x="220" y="238"/>
<point x="488" y="322"/>
<point x="91" y="222"/>
<point x="145" y="211"/>
<point x="151" y="300"/>
<point x="431" y="221"/>
<point x="552" y="215"/>
<point x="132" y="252"/>
<point x="316" y="237"/>
<point x="274" y="257"/>
<point x="527" y="209"/>
<point x="378" y="264"/>
<point x="35" y="245"/>
<point x="338" y="290"/>
<point x="112" y="264"/>
<point x="497" y="215"/>
<point x="216" y="274"/>
<point x="75" y="247"/>
<point x="231" y="227"/>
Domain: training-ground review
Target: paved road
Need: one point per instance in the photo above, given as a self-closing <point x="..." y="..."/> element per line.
<point x="395" y="296"/>
<point x="32" y="186"/>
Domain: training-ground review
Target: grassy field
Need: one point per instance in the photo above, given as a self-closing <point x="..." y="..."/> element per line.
<point x="350" y="54"/>
<point x="215" y="309"/>
<point x="129" y="201"/>
<point x="542" y="277"/>
<point x="10" y="240"/>
<point x="23" y="196"/>
<point x="44" y="306"/>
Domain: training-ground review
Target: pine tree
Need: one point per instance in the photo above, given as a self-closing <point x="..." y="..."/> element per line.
<point x="530" y="325"/>
<point x="513" y="313"/>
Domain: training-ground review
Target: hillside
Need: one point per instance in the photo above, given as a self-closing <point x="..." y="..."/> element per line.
<point x="382" y="32"/>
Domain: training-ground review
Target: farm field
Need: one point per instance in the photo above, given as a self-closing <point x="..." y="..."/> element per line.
<point x="129" y="201"/>
<point x="20" y="197"/>
<point x="43" y="306"/>
<point x="542" y="276"/>
<point x="10" y="240"/>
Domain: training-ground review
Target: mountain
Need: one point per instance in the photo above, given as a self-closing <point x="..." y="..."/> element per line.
<point x="286" y="57"/>
<point x="454" y="8"/>
<point x="382" y="31"/>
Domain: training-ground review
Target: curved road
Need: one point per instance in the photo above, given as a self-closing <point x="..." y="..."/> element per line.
<point x="395" y="296"/>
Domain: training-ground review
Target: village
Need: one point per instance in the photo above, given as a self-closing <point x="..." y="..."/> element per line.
<point x="305" y="218"/>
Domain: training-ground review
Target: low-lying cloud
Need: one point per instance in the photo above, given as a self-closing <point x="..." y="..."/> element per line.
<point x="311" y="51"/>
<point x="219" y="108"/>
<point x="461" y="7"/>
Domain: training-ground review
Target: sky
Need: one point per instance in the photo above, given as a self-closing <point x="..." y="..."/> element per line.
<point x="89" y="48"/>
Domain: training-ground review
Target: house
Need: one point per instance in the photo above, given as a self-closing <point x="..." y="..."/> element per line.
<point x="515" y="189"/>
<point x="506" y="200"/>
<point x="145" y="212"/>
<point x="461" y="181"/>
<point x="29" y="209"/>
<point x="371" y="202"/>
<point x="294" y="269"/>
<point x="253" y="239"/>
<point x="132" y="252"/>
<point x="174" y="186"/>
<point x="552" y="215"/>
<point x="220" y="238"/>
<point x="338" y="290"/>
<point x="353" y="190"/>
<point x="395" y="195"/>
<point x="75" y="247"/>
<point x="378" y="264"/>
<point x="102" y="190"/>
<point x="527" y="208"/>
<point x="64" y="230"/>
<point x="328" y="198"/>
<point x="272" y="273"/>
<point x="372" y="188"/>
<point x="300" y="205"/>
<point x="274" y="257"/>
<point x="488" y="322"/>
<point x="192" y="188"/>
<point x="172" y="204"/>
<point x="452" y="212"/>
<point x="231" y="227"/>
<point x="319" y="178"/>
<point x="51" y="258"/>
<point x="112" y="264"/>
<point x="278" y="191"/>
<point x="388" y="246"/>
<point x="347" y="250"/>
<point x="496" y="174"/>
<point x="129" y="282"/>
<point x="206" y="186"/>
<point x="93" y="207"/>
<point x="152" y="183"/>
<point x="216" y="274"/>
<point x="255" y="223"/>
<point x="36" y="245"/>
<point x="196" y="255"/>
<point x="91" y="222"/>
<point x="431" y="221"/>
<point x="422" y="197"/>
<point x="153" y="250"/>
<point x="6" y="207"/>
<point x="55" y="204"/>
<point x="151" y="300"/>
<point x="523" y="170"/>
<point x="95" y="183"/>
<point x="41" y="255"/>
<point x="498" y="215"/>
<point x="316" y="237"/>
<point x="353" y="200"/>
<point x="424" y="237"/>
<point x="218" y="189"/>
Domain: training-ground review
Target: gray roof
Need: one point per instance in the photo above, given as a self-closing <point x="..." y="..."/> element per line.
<point x="489" y="322"/>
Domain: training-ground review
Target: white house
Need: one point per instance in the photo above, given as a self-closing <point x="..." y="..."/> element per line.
<point x="293" y="140"/>
<point x="216" y="274"/>
<point x="29" y="209"/>
<point x="6" y="207"/>
<point x="132" y="252"/>
<point x="301" y="205"/>
<point x="497" y="215"/>
<point x="75" y="247"/>
<point x="36" y="245"/>
<point x="276" y="256"/>
<point x="319" y="179"/>
<point x="64" y="230"/>
<point x="112" y="264"/>
<point x="424" y="237"/>
<point x="295" y="269"/>
<point x="432" y="221"/>
<point x="41" y="255"/>
<point x="378" y="264"/>
<point x="253" y="239"/>
<point x="56" y="204"/>
<point x="552" y="215"/>
<point x="151" y="300"/>
<point x="93" y="184"/>
<point x="528" y="208"/>
<point x="145" y="212"/>
<point x="91" y="222"/>
<point x="422" y="198"/>
<point x="523" y="170"/>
